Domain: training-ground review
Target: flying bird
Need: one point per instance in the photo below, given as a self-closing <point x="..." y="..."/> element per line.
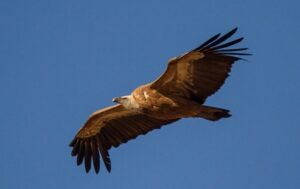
<point x="179" y="92"/>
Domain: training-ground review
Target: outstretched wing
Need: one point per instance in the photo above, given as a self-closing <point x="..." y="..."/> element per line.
<point x="109" y="127"/>
<point x="202" y="71"/>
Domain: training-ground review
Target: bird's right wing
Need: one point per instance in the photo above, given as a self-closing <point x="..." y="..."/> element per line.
<point x="109" y="127"/>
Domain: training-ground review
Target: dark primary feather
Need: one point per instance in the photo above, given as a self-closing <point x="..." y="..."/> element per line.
<point x="221" y="39"/>
<point x="237" y="54"/>
<point x="88" y="155"/>
<point x="207" y="42"/>
<point x="227" y="44"/>
<point x="80" y="153"/>
<point x="231" y="50"/>
<point x="75" y="148"/>
<point x="103" y="148"/>
<point x="95" y="155"/>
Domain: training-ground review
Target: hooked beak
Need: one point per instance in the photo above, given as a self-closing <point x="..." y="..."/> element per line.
<point x="115" y="100"/>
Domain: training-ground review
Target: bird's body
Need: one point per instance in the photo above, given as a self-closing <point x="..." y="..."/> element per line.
<point x="178" y="93"/>
<point x="157" y="105"/>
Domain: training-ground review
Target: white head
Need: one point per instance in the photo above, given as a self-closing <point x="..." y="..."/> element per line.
<point x="127" y="101"/>
<point x="121" y="100"/>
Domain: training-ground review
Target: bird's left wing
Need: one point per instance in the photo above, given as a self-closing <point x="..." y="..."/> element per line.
<point x="109" y="127"/>
<point x="202" y="71"/>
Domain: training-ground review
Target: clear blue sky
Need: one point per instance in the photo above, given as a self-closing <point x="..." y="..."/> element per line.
<point x="62" y="60"/>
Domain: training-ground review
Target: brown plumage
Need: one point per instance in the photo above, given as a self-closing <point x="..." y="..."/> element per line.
<point x="178" y="93"/>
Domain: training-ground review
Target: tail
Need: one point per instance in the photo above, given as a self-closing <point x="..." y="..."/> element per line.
<point x="212" y="113"/>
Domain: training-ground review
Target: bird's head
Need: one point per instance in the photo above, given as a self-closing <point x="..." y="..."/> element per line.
<point x="121" y="100"/>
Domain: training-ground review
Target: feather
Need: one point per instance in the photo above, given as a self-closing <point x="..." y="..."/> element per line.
<point x="231" y="50"/>
<point x="207" y="42"/>
<point x="80" y="153"/>
<point x="104" y="153"/>
<point x="95" y="155"/>
<point x="87" y="157"/>
<point x="72" y="143"/>
<point x="228" y="44"/>
<point x="247" y="54"/>
<point x="221" y="39"/>
<point x="75" y="148"/>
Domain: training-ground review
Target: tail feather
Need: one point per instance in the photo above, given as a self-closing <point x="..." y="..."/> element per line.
<point x="213" y="113"/>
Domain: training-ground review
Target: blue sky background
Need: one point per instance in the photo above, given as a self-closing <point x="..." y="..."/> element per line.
<point x="62" y="60"/>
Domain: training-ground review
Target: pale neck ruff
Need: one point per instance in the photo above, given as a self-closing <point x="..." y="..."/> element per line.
<point x="130" y="103"/>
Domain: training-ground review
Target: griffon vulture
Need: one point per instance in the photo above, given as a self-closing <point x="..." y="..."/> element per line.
<point x="178" y="93"/>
